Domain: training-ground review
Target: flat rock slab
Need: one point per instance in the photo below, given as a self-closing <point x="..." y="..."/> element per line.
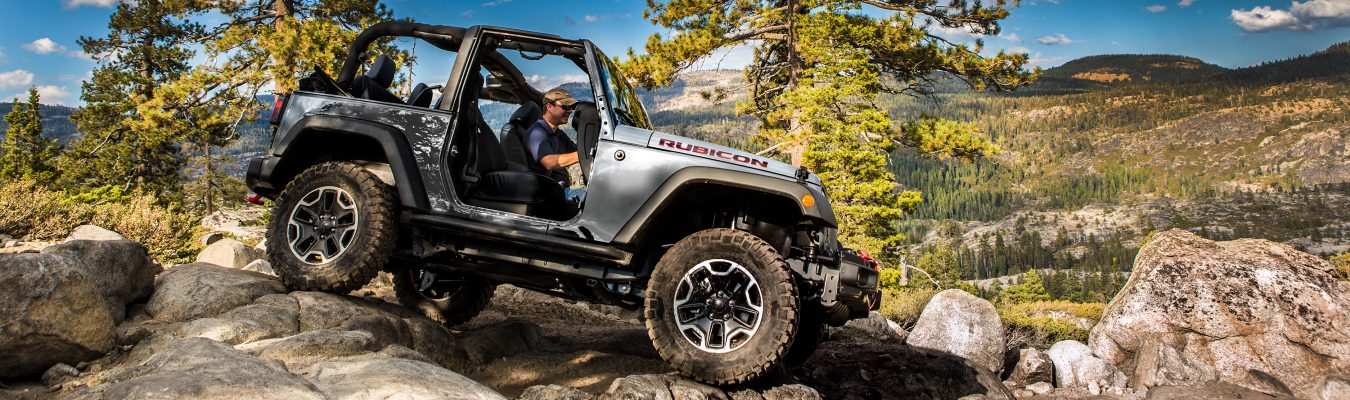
<point x="394" y="378"/>
<point x="192" y="368"/>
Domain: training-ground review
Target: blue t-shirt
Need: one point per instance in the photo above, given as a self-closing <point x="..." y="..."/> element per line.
<point x="543" y="141"/>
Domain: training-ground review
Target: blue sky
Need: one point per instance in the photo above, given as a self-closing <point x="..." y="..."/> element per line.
<point x="38" y="38"/>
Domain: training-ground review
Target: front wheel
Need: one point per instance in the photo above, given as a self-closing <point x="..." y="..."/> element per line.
<point x="721" y="306"/>
<point x="332" y="228"/>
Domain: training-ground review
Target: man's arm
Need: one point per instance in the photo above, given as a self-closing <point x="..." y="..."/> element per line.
<point x="555" y="161"/>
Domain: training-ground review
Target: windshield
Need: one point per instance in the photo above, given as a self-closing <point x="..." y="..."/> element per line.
<point x="627" y="108"/>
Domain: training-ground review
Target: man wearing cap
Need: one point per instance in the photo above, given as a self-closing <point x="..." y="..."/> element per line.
<point x="551" y="151"/>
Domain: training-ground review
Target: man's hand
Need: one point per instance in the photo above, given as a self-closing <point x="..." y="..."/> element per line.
<point x="555" y="161"/>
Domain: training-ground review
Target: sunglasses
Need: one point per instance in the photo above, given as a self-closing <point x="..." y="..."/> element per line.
<point x="565" y="108"/>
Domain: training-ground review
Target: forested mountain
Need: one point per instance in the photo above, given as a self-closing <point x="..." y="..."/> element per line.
<point x="55" y="121"/>
<point x="1095" y="72"/>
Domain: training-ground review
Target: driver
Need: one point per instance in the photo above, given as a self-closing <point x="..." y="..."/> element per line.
<point x="552" y="151"/>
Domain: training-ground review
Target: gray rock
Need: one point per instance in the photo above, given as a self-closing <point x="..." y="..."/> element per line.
<point x="437" y="343"/>
<point x="1040" y="388"/>
<point x="300" y="351"/>
<point x="502" y="339"/>
<point x="878" y="327"/>
<point x="554" y="392"/>
<point x="168" y="368"/>
<point x="790" y="392"/>
<point x="1335" y="387"/>
<point x="261" y="266"/>
<point x="211" y="237"/>
<point x="385" y="378"/>
<point x="49" y="313"/>
<point x="229" y="253"/>
<point x="120" y="269"/>
<point x="270" y="316"/>
<point x="93" y="232"/>
<point x="1032" y="366"/>
<point x="199" y="290"/>
<point x="960" y="323"/>
<point x="1076" y="367"/>
<point x="1254" y="313"/>
<point x="58" y="374"/>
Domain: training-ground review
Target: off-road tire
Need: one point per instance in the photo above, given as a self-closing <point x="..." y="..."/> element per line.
<point x="374" y="235"/>
<point x="778" y="318"/>
<point x="457" y="306"/>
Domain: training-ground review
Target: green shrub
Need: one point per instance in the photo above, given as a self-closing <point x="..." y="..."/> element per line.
<point x="1040" y="324"/>
<point x="1342" y="264"/>
<point x="904" y="305"/>
<point x="33" y="212"/>
<point x="890" y="278"/>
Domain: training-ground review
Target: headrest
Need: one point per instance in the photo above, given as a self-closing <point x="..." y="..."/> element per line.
<point x="382" y="71"/>
<point x="527" y="114"/>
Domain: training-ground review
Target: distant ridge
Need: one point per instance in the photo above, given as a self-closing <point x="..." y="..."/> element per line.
<point x="1333" y="61"/>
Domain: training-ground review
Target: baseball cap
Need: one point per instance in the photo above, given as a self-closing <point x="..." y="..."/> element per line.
<point x="559" y="95"/>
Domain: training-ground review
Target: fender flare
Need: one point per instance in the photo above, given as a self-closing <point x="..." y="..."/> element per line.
<point x="820" y="211"/>
<point x="411" y="191"/>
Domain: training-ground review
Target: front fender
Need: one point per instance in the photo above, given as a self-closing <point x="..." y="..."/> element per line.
<point x="820" y="211"/>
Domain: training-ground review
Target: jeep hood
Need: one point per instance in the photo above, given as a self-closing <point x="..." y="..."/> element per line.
<point x="699" y="148"/>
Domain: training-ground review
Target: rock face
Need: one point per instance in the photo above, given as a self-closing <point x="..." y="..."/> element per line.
<point x="197" y="290"/>
<point x="49" y="313"/>
<point x="1254" y="313"/>
<point x="120" y="269"/>
<point x="1076" y="367"/>
<point x="672" y="387"/>
<point x="394" y="378"/>
<point x="960" y="323"/>
<point x="93" y="232"/>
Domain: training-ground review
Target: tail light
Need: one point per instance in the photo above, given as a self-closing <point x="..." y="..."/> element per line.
<point x="278" y="104"/>
<point x="872" y="262"/>
<point x="253" y="198"/>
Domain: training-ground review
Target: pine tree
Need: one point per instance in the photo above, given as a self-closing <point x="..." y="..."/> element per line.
<point x="1031" y="289"/>
<point x="818" y="69"/>
<point x="145" y="46"/>
<point x="25" y="154"/>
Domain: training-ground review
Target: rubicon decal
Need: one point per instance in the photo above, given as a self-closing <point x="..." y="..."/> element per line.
<point x="723" y="154"/>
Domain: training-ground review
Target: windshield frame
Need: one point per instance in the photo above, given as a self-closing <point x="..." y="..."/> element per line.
<point x="623" y="104"/>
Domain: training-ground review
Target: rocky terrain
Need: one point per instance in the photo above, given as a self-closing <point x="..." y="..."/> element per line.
<point x="92" y="317"/>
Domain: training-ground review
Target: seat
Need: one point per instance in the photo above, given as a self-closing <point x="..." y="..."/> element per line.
<point x="513" y="135"/>
<point x="374" y="85"/>
<point x="488" y="180"/>
<point x="421" y="95"/>
<point x="586" y="122"/>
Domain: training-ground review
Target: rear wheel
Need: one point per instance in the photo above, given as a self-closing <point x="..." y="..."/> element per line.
<point x="450" y="299"/>
<point x="332" y="228"/>
<point x="721" y="306"/>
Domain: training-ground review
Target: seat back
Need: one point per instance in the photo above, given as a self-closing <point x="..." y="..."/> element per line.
<point x="513" y="135"/>
<point x="421" y="95"/>
<point x="586" y="122"/>
<point x="374" y="85"/>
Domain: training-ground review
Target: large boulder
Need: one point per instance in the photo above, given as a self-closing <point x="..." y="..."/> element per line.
<point x="959" y="323"/>
<point x="1254" y="313"/>
<point x="299" y="352"/>
<point x="93" y="232"/>
<point x="674" y="387"/>
<point x="1076" y="367"/>
<point x="270" y="316"/>
<point x="195" y="368"/>
<point x="49" y="313"/>
<point x="229" y="253"/>
<point x="199" y="290"/>
<point x="121" y="269"/>
<point x="393" y="378"/>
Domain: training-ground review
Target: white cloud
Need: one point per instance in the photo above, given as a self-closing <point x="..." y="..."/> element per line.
<point x="1018" y="49"/>
<point x="69" y="4"/>
<point x="495" y="3"/>
<point x="44" y="46"/>
<point x="1051" y="40"/>
<point x="957" y="34"/>
<point x="467" y="14"/>
<point x="15" y="78"/>
<point x="1309" y="15"/>
<point x="1011" y="37"/>
<point x="598" y="18"/>
<point x="1264" y="18"/>
<point x="1185" y="3"/>
<point x="2" y="54"/>
<point x="1039" y="61"/>
<point x="1156" y="8"/>
<point x="50" y="95"/>
<point x="734" y="57"/>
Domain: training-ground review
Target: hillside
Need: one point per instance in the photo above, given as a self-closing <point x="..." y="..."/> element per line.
<point x="55" y="121"/>
<point x="1116" y="69"/>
